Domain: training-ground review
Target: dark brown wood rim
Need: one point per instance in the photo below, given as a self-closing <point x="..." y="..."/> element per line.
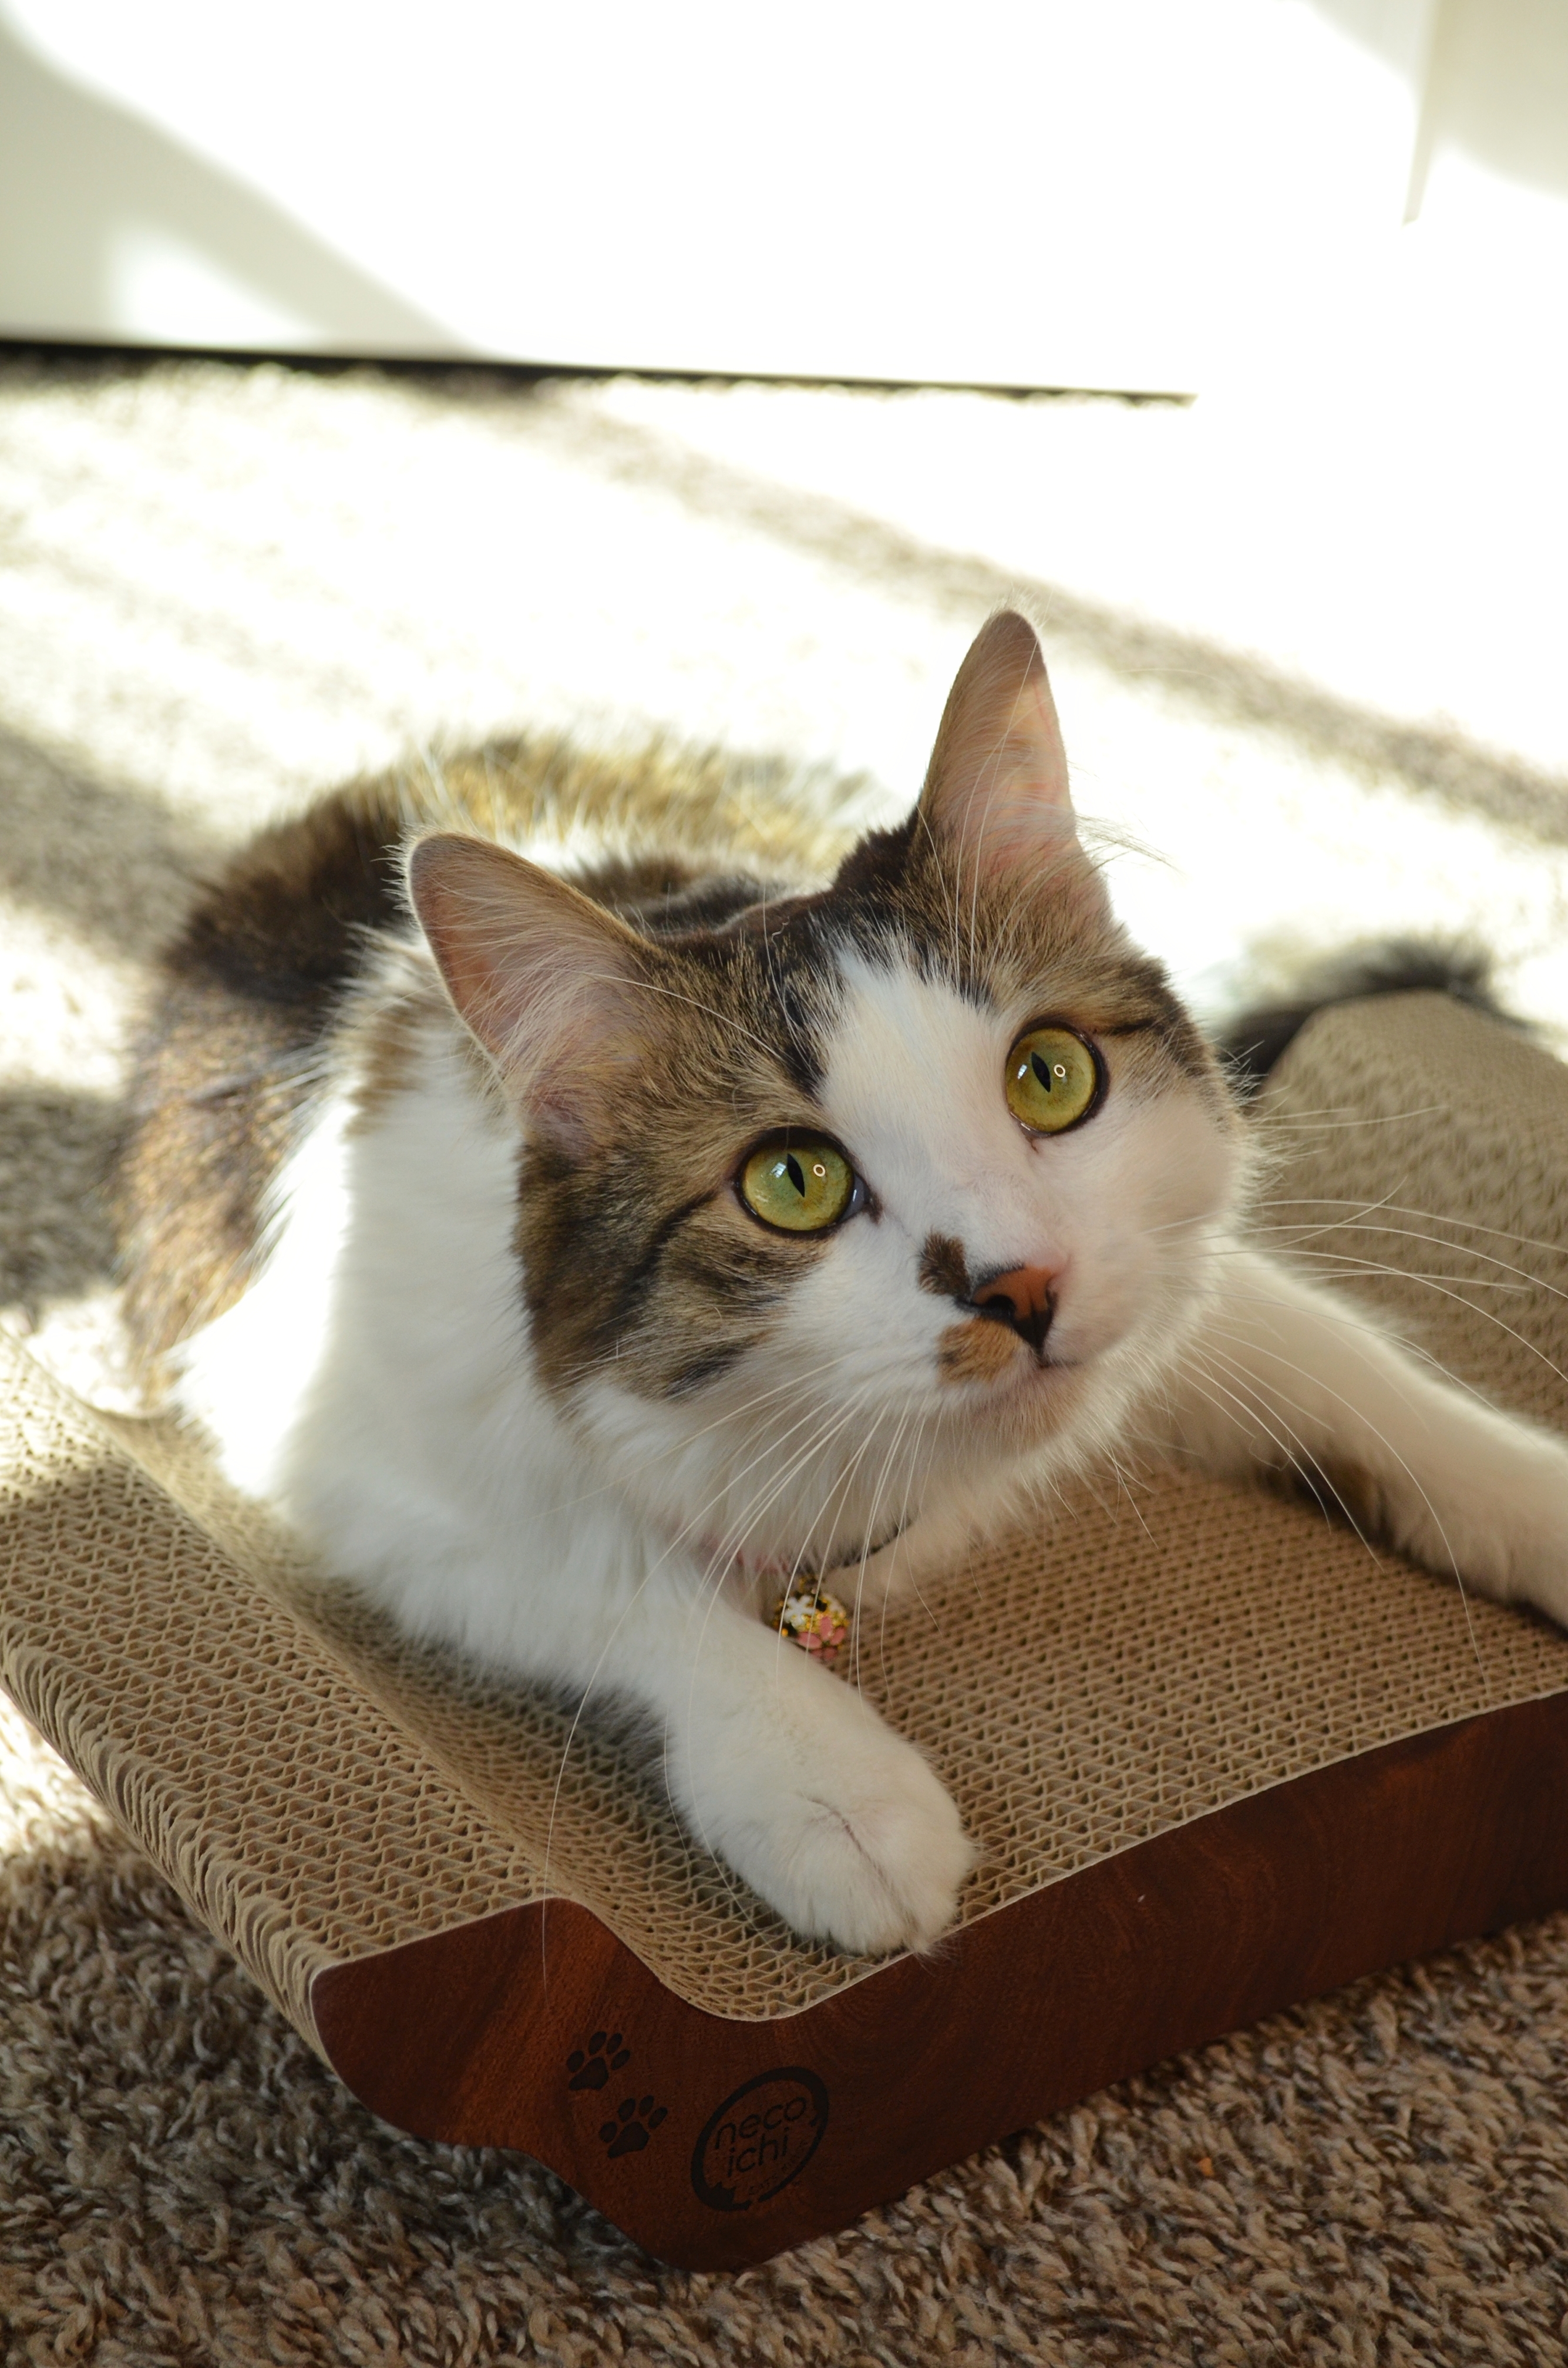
<point x="537" y="2028"/>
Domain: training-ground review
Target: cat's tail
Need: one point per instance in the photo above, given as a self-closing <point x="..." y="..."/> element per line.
<point x="1253" y="1040"/>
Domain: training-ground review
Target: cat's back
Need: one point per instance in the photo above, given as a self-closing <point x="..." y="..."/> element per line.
<point x="267" y="1002"/>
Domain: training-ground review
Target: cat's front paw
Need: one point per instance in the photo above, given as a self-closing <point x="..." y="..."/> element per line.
<point x="1521" y="1554"/>
<point x="1502" y="1522"/>
<point x="863" y="1848"/>
<point x="872" y="1864"/>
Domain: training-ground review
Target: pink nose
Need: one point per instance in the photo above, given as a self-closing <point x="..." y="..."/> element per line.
<point x="1024" y="1297"/>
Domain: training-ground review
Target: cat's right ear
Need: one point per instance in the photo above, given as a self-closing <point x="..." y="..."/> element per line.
<point x="553" y="986"/>
<point x="995" y="795"/>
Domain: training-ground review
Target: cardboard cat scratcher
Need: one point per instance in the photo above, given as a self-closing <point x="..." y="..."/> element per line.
<point x="1218" y="1756"/>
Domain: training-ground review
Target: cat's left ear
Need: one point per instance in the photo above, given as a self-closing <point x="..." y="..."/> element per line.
<point x="997" y="794"/>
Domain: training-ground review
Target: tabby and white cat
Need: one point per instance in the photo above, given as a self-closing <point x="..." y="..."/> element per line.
<point x="578" y="1261"/>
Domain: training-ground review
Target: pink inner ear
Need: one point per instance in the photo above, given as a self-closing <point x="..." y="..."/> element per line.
<point x="997" y="789"/>
<point x="551" y="983"/>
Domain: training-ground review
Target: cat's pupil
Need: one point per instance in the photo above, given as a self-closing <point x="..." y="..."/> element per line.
<point x="1042" y="1070"/>
<point x="796" y="1173"/>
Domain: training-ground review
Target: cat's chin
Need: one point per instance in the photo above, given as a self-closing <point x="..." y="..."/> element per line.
<point x="1030" y="1402"/>
<point x="1014" y="1424"/>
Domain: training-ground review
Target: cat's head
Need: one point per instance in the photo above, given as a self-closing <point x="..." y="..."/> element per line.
<point x="869" y="1199"/>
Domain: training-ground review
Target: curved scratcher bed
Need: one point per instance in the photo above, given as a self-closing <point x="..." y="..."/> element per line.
<point x="1217" y="1757"/>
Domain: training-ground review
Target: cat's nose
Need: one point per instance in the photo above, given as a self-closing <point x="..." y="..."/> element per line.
<point x="1024" y="1297"/>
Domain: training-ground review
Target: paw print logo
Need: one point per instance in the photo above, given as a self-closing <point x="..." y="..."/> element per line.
<point x="636" y="2119"/>
<point x="591" y="2067"/>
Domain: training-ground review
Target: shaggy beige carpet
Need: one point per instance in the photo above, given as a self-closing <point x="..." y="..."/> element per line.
<point x="220" y="588"/>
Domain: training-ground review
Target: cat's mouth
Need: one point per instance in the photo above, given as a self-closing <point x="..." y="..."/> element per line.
<point x="1031" y="1399"/>
<point x="981" y="1348"/>
<point x="1007" y="1316"/>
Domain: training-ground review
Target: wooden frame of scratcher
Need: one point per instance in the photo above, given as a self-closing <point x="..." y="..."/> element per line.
<point x="1218" y="1756"/>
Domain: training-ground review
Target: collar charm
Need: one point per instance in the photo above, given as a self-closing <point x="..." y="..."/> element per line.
<point x="814" y="1621"/>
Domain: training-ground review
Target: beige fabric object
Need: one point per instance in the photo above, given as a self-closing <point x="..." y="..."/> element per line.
<point x="316" y="1789"/>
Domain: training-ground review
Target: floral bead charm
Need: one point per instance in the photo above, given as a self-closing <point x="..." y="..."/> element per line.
<point x="815" y="1620"/>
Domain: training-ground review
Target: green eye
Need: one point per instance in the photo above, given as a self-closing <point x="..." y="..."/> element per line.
<point x="1052" y="1079"/>
<point x="800" y="1186"/>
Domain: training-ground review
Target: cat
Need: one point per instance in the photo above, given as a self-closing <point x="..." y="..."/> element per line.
<point x="584" y="1248"/>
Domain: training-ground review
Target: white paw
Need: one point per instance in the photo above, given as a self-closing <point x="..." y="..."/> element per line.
<point x="1507" y="1526"/>
<point x="868" y="1860"/>
<point x="856" y="1842"/>
<point x="1528" y="1538"/>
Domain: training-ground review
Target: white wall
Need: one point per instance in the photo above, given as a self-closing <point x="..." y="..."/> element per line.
<point x="1016" y="192"/>
<point x="1019" y="191"/>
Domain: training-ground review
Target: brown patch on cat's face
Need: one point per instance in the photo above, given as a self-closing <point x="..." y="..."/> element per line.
<point x="1040" y="941"/>
<point x="943" y="1269"/>
<point x="977" y="1351"/>
<point x="661" y="1299"/>
<point x="639" y="1261"/>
